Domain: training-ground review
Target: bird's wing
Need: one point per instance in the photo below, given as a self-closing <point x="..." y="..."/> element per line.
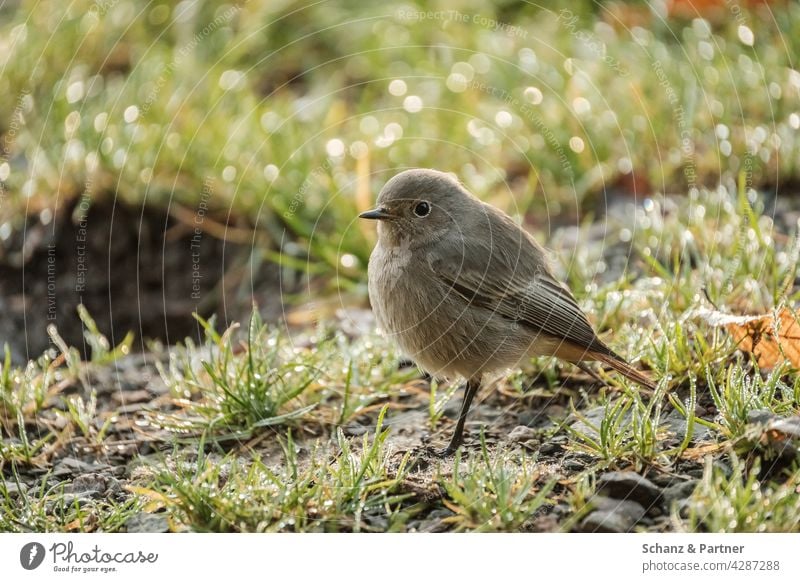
<point x="520" y="292"/>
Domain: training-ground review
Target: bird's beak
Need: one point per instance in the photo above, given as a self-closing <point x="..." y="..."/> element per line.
<point x="376" y="214"/>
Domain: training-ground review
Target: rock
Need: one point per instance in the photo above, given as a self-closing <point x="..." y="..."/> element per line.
<point x="546" y="524"/>
<point x="93" y="485"/>
<point x="131" y="397"/>
<point x="778" y="433"/>
<point x="14" y="490"/>
<point x="354" y="429"/>
<point x="525" y="436"/>
<point x="760" y="417"/>
<point x="573" y="465"/>
<point x="630" y="510"/>
<point x="606" y="522"/>
<point x="676" y="423"/>
<point x="147" y="523"/>
<point x="550" y="448"/>
<point x="790" y="427"/>
<point x="612" y="515"/>
<point x="681" y="490"/>
<point x="62" y="505"/>
<point x="591" y="419"/>
<point x="629" y="485"/>
<point x="677" y="496"/>
<point x="72" y="466"/>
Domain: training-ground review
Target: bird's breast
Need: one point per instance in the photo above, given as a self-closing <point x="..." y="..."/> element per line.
<point x="396" y="290"/>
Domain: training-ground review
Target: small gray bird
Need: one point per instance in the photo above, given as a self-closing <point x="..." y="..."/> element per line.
<point x="466" y="292"/>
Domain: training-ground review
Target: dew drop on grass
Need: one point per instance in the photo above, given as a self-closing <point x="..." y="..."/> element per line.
<point x="581" y="106"/>
<point x="412" y="104"/>
<point x="75" y="92"/>
<point x="229" y="174"/>
<point x="706" y="50"/>
<point x="464" y="69"/>
<point x="230" y="79"/>
<point x="398" y="87"/>
<point x="71" y="123"/>
<point x="348" y="261"/>
<point x="528" y="60"/>
<point x="534" y="95"/>
<point x="359" y="149"/>
<point x="270" y="121"/>
<point x="131" y="114"/>
<point x="270" y="172"/>
<point x="503" y="118"/>
<point x="745" y="35"/>
<point x="456" y="82"/>
<point x="335" y="148"/>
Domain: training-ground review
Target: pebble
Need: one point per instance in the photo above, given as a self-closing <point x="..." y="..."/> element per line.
<point x="606" y="522"/>
<point x="612" y="516"/>
<point x="14" y="489"/>
<point x="550" y="448"/>
<point x="679" y="491"/>
<point x="525" y="436"/>
<point x="678" y="425"/>
<point x="629" y="485"/>
<point x="573" y="465"/>
<point x="629" y="509"/>
<point x="147" y="523"/>
<point x="72" y="466"/>
<point x="93" y="485"/>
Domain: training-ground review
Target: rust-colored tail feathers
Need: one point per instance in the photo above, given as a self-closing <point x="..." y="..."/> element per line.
<point x="620" y="365"/>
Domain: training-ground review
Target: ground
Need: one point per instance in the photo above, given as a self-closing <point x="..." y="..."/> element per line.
<point x="187" y="338"/>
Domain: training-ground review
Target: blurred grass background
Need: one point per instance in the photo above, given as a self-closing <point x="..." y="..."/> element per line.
<point x="292" y="115"/>
<point x="652" y="145"/>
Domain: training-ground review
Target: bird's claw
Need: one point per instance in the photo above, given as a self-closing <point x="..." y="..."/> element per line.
<point x="443" y="453"/>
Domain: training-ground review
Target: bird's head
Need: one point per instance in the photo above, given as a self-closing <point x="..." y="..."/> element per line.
<point x="419" y="205"/>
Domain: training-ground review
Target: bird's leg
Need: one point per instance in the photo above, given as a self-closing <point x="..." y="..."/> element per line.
<point x="470" y="389"/>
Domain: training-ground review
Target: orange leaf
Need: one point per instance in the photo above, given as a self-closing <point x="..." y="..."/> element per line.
<point x="771" y="338"/>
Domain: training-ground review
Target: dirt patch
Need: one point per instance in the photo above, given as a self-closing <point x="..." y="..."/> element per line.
<point x="135" y="269"/>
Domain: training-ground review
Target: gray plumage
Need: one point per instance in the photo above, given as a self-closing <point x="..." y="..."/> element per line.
<point x="466" y="291"/>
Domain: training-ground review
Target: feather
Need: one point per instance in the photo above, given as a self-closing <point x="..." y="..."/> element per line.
<point x="522" y="291"/>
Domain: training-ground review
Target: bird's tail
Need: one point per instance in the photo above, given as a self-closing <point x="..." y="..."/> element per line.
<point x="620" y="365"/>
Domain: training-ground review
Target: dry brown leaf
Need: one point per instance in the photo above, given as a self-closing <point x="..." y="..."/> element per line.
<point x="771" y="338"/>
<point x="778" y="433"/>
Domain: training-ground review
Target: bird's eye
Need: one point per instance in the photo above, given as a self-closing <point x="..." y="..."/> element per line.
<point x="422" y="209"/>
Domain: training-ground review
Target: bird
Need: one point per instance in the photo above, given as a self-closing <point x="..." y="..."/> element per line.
<point x="466" y="292"/>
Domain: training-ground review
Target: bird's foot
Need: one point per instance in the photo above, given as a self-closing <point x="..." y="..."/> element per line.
<point x="442" y="453"/>
<point x="427" y="449"/>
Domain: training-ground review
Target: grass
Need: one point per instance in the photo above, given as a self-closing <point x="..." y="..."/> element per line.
<point x="272" y="431"/>
<point x="355" y="488"/>
<point x="239" y="394"/>
<point x="736" y="501"/>
<point x="501" y="492"/>
<point x="296" y="139"/>
<point x="47" y="508"/>
<point x="264" y="427"/>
